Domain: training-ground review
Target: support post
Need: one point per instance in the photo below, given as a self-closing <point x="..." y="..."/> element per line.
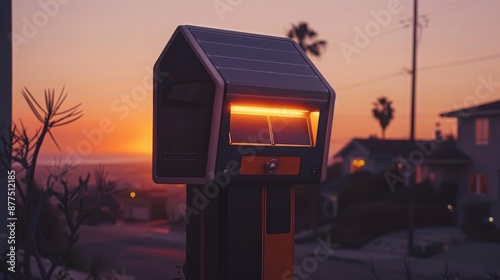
<point x="411" y="204"/>
<point x="246" y="232"/>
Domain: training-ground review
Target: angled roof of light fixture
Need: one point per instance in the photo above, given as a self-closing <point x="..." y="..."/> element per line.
<point x="258" y="67"/>
<point x="213" y="87"/>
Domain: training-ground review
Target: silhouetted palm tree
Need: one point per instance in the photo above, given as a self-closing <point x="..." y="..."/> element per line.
<point x="383" y="112"/>
<point x="306" y="38"/>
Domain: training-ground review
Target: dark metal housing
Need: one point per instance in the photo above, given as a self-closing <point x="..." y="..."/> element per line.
<point x="204" y="75"/>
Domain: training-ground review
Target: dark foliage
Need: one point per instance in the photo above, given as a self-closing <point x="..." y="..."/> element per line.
<point x="363" y="222"/>
<point x="383" y="112"/>
<point x="306" y="38"/>
<point x="475" y="218"/>
<point x="362" y="187"/>
<point x="448" y="193"/>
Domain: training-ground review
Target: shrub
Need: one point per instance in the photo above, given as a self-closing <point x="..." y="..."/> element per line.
<point x="448" y="193"/>
<point x="475" y="217"/>
<point x="368" y="220"/>
<point x="362" y="187"/>
<point x="308" y="207"/>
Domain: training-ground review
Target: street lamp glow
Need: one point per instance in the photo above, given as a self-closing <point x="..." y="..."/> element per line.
<point x="490" y="219"/>
<point x="132" y="194"/>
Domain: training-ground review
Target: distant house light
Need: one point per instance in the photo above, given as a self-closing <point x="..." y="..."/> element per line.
<point x="491" y="220"/>
<point x="422" y="173"/>
<point x="478" y="183"/>
<point x="132" y="194"/>
<point x="357" y="164"/>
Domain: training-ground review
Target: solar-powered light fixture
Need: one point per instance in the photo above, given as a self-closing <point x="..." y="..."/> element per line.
<point x="255" y="111"/>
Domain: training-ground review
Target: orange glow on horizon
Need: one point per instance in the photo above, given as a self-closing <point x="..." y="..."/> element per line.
<point x="106" y="64"/>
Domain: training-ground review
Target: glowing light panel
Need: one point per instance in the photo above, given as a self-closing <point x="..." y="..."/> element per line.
<point x="273" y="126"/>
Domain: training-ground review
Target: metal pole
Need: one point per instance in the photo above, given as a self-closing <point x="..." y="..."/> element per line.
<point x="414" y="69"/>
<point x="411" y="206"/>
<point x="6" y="103"/>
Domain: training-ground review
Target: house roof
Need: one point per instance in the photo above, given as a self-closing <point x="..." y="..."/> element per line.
<point x="393" y="148"/>
<point x="488" y="109"/>
<point x="448" y="152"/>
<point x="381" y="148"/>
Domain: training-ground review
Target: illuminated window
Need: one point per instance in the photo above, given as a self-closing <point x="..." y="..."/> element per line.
<point x="482" y="131"/>
<point x="478" y="183"/>
<point x="250" y="129"/>
<point x="357" y="164"/>
<point x="290" y="131"/>
<point x="421" y="173"/>
<point x="272" y="126"/>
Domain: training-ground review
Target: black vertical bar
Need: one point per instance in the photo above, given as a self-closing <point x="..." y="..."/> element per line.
<point x="212" y="237"/>
<point x="193" y="233"/>
<point x="5" y="107"/>
<point x="414" y="69"/>
<point x="278" y="209"/>
<point x="244" y="232"/>
<point x="411" y="204"/>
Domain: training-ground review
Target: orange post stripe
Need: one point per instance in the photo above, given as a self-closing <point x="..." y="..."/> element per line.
<point x="255" y="165"/>
<point x="277" y="249"/>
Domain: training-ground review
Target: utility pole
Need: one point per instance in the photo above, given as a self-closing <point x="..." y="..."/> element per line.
<point x="411" y="204"/>
<point x="6" y="103"/>
<point x="414" y="69"/>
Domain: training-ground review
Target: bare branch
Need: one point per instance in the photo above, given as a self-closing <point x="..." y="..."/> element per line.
<point x="25" y="91"/>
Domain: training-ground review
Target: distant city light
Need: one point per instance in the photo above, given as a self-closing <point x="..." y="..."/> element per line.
<point x="490" y="219"/>
<point x="132" y="194"/>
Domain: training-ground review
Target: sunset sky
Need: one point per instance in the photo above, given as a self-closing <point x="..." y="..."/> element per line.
<point x="103" y="50"/>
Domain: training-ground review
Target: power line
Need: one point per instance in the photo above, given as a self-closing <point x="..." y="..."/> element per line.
<point x="426" y="16"/>
<point x="438" y="12"/>
<point x="381" y="78"/>
<point x="446" y="8"/>
<point x="460" y="62"/>
<point x="427" y="68"/>
<point x="450" y="8"/>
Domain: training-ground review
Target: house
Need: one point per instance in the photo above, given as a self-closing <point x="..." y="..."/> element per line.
<point x="433" y="160"/>
<point x="472" y="161"/>
<point x="479" y="138"/>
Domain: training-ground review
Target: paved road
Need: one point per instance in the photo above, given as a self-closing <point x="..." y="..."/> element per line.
<point x="137" y="249"/>
<point x="148" y="253"/>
